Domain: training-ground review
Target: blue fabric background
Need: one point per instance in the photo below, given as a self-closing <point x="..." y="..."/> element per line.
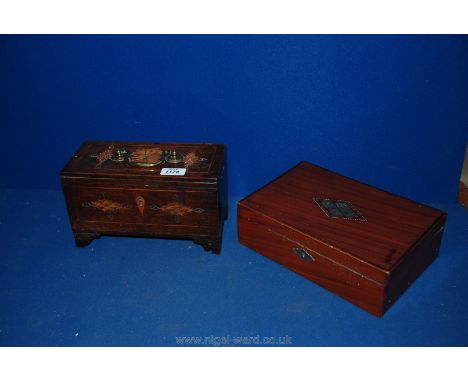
<point x="388" y="110"/>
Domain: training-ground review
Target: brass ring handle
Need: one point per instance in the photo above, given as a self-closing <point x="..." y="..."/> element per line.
<point x="303" y="254"/>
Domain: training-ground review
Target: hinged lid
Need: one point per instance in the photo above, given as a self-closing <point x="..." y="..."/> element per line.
<point x="368" y="226"/>
<point x="139" y="160"/>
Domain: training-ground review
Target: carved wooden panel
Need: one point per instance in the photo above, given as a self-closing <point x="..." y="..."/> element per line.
<point x="154" y="206"/>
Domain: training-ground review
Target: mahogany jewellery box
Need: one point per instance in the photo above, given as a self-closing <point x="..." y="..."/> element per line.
<point x="361" y="243"/>
<point x="167" y="190"/>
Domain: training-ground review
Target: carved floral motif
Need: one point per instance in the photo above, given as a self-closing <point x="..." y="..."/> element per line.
<point x="104" y="155"/>
<point x="190" y="159"/>
<point x="176" y="209"/>
<point x="106" y="205"/>
<point x="146" y="155"/>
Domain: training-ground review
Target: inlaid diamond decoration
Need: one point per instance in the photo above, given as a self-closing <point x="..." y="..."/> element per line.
<point x="339" y="209"/>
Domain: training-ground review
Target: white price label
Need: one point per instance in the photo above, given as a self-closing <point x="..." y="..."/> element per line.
<point x="173" y="171"/>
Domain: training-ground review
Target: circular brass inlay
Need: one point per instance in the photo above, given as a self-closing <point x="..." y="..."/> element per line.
<point x="145" y="164"/>
<point x="146" y="157"/>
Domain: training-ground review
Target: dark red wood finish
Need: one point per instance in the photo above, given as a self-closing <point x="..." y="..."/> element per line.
<point x="369" y="261"/>
<point x="105" y="197"/>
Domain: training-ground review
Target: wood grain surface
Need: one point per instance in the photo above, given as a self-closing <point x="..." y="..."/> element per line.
<point x="107" y="197"/>
<point x="370" y="261"/>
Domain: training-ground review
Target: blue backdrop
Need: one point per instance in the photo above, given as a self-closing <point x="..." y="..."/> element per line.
<point x="388" y="110"/>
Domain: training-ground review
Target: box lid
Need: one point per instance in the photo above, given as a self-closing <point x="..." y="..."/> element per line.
<point x="365" y="225"/>
<point x="144" y="160"/>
